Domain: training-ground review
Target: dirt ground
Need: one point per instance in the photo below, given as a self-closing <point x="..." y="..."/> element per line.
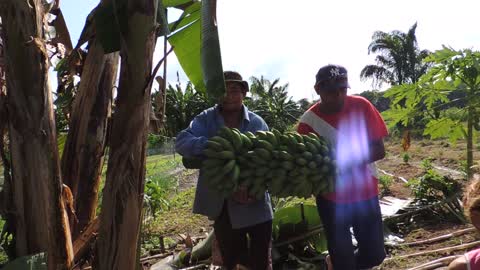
<point x="446" y="157"/>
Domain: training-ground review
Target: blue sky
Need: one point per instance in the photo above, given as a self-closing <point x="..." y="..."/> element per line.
<point x="290" y="40"/>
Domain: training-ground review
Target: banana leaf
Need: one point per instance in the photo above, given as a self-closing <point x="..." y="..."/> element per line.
<point x="291" y="222"/>
<point x="190" y="14"/>
<point x="186" y="45"/>
<point x="175" y="3"/>
<point x="211" y="59"/>
<point x="201" y="251"/>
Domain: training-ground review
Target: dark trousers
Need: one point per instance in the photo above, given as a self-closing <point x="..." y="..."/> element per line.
<point x="366" y="220"/>
<point x="235" y="247"/>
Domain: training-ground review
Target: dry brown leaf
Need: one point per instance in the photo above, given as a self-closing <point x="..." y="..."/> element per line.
<point x="406" y="140"/>
<point x="188" y="241"/>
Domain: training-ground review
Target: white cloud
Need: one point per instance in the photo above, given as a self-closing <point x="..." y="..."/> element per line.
<point x="290" y="40"/>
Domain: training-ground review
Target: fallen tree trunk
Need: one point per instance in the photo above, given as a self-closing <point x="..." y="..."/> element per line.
<point x="154" y="257"/>
<point x="435" y="263"/>
<point x="447" y="249"/>
<point x="439" y="238"/>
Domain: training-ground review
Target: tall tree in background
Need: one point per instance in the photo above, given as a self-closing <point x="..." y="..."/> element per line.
<point x="304" y="104"/>
<point x="40" y="222"/>
<point x="272" y="102"/>
<point x="399" y="58"/>
<point x="182" y="106"/>
<point x="377" y="98"/>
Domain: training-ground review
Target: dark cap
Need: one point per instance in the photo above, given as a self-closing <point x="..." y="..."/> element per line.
<point x="332" y="77"/>
<point x="233" y="76"/>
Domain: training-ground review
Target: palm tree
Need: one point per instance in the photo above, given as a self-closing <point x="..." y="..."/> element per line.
<point x="304" y="104"/>
<point x="272" y="102"/>
<point x="181" y="107"/>
<point x="399" y="59"/>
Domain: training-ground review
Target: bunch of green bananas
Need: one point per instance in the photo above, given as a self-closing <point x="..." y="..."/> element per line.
<point x="285" y="164"/>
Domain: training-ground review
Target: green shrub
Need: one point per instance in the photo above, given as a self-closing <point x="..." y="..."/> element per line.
<point x="432" y="186"/>
<point x="385" y="182"/>
<point x="156" y="141"/>
<point x="158" y="190"/>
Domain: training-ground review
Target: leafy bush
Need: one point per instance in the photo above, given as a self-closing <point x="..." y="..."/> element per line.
<point x="432" y="186"/>
<point x="157" y="192"/>
<point x="385" y="182"/>
<point x="156" y="141"/>
<point x="406" y="157"/>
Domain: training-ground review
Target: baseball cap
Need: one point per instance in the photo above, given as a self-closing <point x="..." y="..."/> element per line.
<point x="332" y="77"/>
<point x="233" y="76"/>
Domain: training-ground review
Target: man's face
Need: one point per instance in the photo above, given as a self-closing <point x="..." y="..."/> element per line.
<point x="234" y="95"/>
<point x="332" y="99"/>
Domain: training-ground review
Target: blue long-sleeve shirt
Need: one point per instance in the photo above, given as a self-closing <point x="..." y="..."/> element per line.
<point x="191" y="142"/>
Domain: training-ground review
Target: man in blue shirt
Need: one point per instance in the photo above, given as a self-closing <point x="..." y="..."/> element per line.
<point x="239" y="215"/>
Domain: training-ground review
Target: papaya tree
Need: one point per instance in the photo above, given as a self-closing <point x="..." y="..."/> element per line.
<point x="452" y="71"/>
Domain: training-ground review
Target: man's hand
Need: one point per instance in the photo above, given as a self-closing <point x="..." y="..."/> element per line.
<point x="241" y="195"/>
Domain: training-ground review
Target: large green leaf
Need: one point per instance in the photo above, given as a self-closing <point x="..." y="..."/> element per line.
<point x="445" y="127"/>
<point x="296" y="220"/>
<point x="175" y="3"/>
<point x="189" y="15"/>
<point x="186" y="45"/>
<point x="211" y="59"/>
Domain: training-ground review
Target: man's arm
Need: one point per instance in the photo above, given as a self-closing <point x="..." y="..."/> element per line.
<point x="191" y="141"/>
<point x="377" y="150"/>
<point x="459" y="263"/>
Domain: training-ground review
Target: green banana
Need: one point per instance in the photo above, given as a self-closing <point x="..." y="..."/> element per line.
<point x="271" y="138"/>
<point x="227" y="167"/>
<point x="264" y="144"/>
<point x="247" y="143"/>
<point x="263" y="153"/>
<point x="219" y="155"/>
<point x="226" y="133"/>
<point x="225" y="143"/>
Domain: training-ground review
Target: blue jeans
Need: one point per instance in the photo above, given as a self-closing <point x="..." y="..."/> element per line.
<point x="366" y="220"/>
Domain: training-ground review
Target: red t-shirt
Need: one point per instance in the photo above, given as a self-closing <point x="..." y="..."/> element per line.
<point x="473" y="259"/>
<point x="350" y="131"/>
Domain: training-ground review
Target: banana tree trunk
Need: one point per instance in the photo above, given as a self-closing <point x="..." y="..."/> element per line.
<point x="84" y="149"/>
<point x="123" y="192"/>
<point x="41" y="221"/>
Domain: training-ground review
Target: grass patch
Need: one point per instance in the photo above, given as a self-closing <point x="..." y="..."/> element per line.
<point x="178" y="218"/>
<point x="160" y="181"/>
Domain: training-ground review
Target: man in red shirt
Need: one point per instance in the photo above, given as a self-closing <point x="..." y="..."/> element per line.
<point x="356" y="130"/>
